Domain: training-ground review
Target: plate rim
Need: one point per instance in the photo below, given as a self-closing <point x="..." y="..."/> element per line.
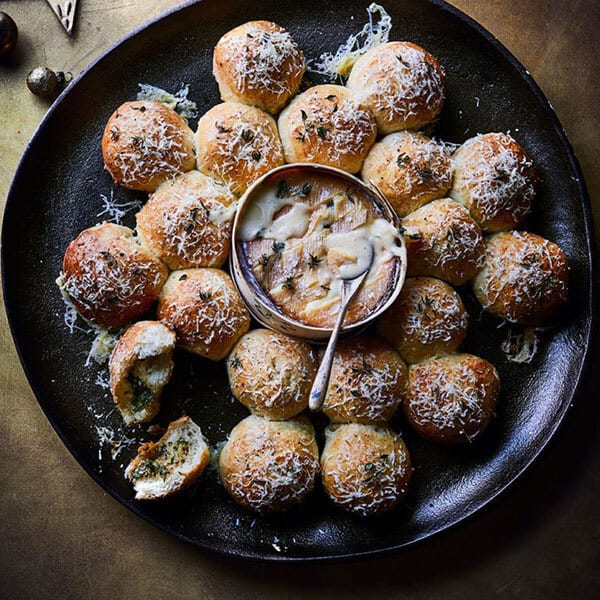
<point x="591" y="301"/>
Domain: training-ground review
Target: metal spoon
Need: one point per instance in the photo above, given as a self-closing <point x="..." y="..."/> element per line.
<point x="349" y="288"/>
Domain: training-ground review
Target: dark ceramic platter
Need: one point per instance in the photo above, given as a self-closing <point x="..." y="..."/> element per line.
<point x="55" y="194"/>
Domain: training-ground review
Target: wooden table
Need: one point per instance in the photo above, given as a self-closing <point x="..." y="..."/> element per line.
<point x="61" y="536"/>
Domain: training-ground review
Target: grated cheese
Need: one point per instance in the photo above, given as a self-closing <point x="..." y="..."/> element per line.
<point x="178" y="101"/>
<point x="337" y="66"/>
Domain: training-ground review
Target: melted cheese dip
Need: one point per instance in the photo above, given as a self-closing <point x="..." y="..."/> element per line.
<point x="300" y="236"/>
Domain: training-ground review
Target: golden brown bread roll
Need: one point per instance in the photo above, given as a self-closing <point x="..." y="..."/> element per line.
<point x="146" y="143"/>
<point x="327" y="125"/>
<point x="443" y="241"/>
<point x="187" y="221"/>
<point x="365" y="469"/>
<point x="140" y="366"/>
<point x="524" y="278"/>
<point x="237" y="144"/>
<point x="451" y="399"/>
<point x="269" y="465"/>
<point x="428" y="319"/>
<point x="172" y="464"/>
<point x="402" y="84"/>
<point x="410" y="169"/>
<point x="495" y="179"/>
<point x="204" y="310"/>
<point x="110" y="278"/>
<point x="271" y="373"/>
<point x="258" y="63"/>
<point x="367" y="382"/>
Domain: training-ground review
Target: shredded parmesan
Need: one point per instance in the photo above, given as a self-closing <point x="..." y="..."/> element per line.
<point x="520" y="347"/>
<point x="374" y="33"/>
<point x="178" y="101"/>
<point x="114" y="211"/>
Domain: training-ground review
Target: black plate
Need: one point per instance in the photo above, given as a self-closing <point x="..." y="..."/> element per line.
<point x="55" y="194"/>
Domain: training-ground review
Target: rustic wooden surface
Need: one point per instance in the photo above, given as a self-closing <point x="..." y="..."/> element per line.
<point x="61" y="536"/>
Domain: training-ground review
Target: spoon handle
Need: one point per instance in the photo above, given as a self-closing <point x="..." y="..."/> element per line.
<point x="319" y="387"/>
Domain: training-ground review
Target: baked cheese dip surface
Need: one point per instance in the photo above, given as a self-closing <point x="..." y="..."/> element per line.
<point x="301" y="235"/>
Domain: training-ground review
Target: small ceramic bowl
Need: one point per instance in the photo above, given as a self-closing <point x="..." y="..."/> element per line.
<point x="263" y="309"/>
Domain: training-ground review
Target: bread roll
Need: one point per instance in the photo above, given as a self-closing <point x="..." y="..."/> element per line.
<point x="451" y="399"/>
<point x="110" y="278"/>
<point x="271" y="374"/>
<point x="428" y="319"/>
<point x="365" y="469"/>
<point x="495" y="180"/>
<point x="328" y="126"/>
<point x="146" y="143"/>
<point x="187" y="221"/>
<point x="258" y="63"/>
<point x="237" y="144"/>
<point x="524" y="278"/>
<point x="204" y="310"/>
<point x="443" y="241"/>
<point x="410" y="169"/>
<point x="140" y="366"/>
<point x="367" y="382"/>
<point x="170" y="465"/>
<point x="270" y="465"/>
<point x="402" y="84"/>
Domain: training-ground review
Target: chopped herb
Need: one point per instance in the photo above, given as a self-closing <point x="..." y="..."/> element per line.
<point x="364" y="369"/>
<point x="413" y="235"/>
<point x="138" y="142"/>
<point x="263" y="261"/>
<point x="301" y="137"/>
<point x="183" y="277"/>
<point x="325" y="287"/>
<point x="260" y="233"/>
<point x="256" y="155"/>
<point x="406" y="64"/>
<point x="329" y="203"/>
<point x="326" y="225"/>
<point x="142" y="394"/>
<point x="303" y="115"/>
<point x="247" y="135"/>
<point x="313" y="261"/>
<point x="288" y="284"/>
<point x="356" y="394"/>
<point x="236" y="363"/>
<point x="148" y="468"/>
<point x="502" y="176"/>
<point x="425" y="173"/>
<point x="193" y="213"/>
<point x="277" y="247"/>
<point x="114" y="134"/>
<point x="331" y="97"/>
<point x="305" y="190"/>
<point x="221" y="128"/>
<point x="350" y="194"/>
<point x="205" y="296"/>
<point x="283" y="189"/>
<point x="110" y="259"/>
<point x="322" y="132"/>
<point x="140" y="108"/>
<point x="403" y="159"/>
